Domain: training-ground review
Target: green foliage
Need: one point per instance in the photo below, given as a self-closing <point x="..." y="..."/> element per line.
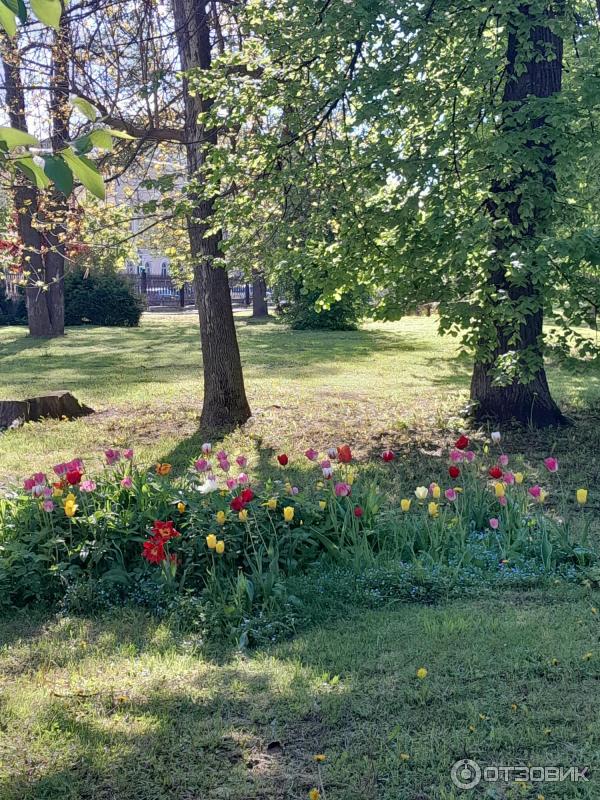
<point x="97" y="298"/>
<point x="302" y="311"/>
<point x="379" y="139"/>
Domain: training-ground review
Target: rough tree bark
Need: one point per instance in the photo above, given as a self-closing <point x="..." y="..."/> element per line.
<point x="527" y="403"/>
<point x="41" y="217"/>
<point x="225" y="404"/>
<point x="260" y="307"/>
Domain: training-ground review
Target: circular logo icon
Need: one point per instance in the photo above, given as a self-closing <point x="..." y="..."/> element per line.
<point x="465" y="774"/>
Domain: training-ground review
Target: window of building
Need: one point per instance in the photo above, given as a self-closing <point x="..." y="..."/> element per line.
<point x="163" y="269"/>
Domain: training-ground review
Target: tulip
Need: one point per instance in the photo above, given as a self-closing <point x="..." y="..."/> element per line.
<point x="112" y="456"/>
<point x="181" y="507"/>
<point x="508" y="478"/>
<point x="221" y="517"/>
<point x="243" y="515"/>
<point x="435" y="491"/>
<point x="241" y="461"/>
<point x="332" y="452"/>
<point x="582" y="496"/>
<point x="311" y="454"/>
<point x="206" y="448"/>
<point x="272" y="503"/>
<point x="451" y="495"/>
<point x="358" y="512"/>
<point x="503" y="459"/>
<point x="461" y="443"/>
<point x="211" y="541"/>
<point x="494" y="523"/>
<point x="388" y="455"/>
<point x="128" y="454"/>
<point x="454" y="472"/>
<point x="48" y="506"/>
<point x="288" y="513"/>
<point x="405" y="504"/>
<point x="220" y="547"/>
<point x="469" y="456"/>
<point x="499" y="490"/>
<point x="496" y="436"/>
<point x="519" y="477"/>
<point x="456" y="456"/>
<point x="421" y="492"/>
<point x="551" y="464"/>
<point x="283" y="459"/>
<point x="495" y="472"/>
<point x="433" y="509"/>
<point x="322" y="505"/>
<point x="421" y="673"/>
<point x="342" y="489"/>
<point x="88" y="486"/>
<point x="127" y="483"/>
<point x="242" y="478"/>
<point x="344" y="454"/>
<point x="327" y="472"/>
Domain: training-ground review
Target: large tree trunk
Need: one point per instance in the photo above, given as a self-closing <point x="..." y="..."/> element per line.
<point x="225" y="404"/>
<point x="260" y="307"/>
<point x="526" y="402"/>
<point x="41" y="217"/>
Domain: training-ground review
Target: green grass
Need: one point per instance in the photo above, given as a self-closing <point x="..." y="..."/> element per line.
<point x="396" y="384"/>
<point x="123" y="708"/>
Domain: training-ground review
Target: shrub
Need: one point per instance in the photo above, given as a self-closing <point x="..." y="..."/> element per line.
<point x="302" y="312"/>
<point x="12" y="312"/>
<point x="222" y="552"/>
<point x="100" y="298"/>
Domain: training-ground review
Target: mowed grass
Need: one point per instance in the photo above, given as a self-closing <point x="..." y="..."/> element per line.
<point x="395" y="385"/>
<point x="123" y="708"/>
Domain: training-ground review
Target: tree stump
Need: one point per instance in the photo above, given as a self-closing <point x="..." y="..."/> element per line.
<point x="55" y="405"/>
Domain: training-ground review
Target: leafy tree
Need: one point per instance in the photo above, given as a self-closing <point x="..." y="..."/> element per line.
<point x="436" y="152"/>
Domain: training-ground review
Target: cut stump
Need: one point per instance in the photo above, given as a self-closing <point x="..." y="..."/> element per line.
<point x="56" y="405"/>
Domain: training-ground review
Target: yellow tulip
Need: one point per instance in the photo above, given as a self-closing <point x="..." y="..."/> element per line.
<point x="272" y="504"/>
<point x="221" y="517"/>
<point x="288" y="513"/>
<point x="486" y="448"/>
<point x="220" y="547"/>
<point x="435" y="491"/>
<point x="543" y="495"/>
<point x="519" y="477"/>
<point x="57" y="492"/>
<point x="181" y="507"/>
<point x="421" y="673"/>
<point x="322" y="505"/>
<point x="499" y="490"/>
<point x="70" y="508"/>
<point x="421" y="492"/>
<point x="582" y="496"/>
<point x="433" y="509"/>
<point x="211" y="541"/>
<point x="405" y="504"/>
<point x="243" y="515"/>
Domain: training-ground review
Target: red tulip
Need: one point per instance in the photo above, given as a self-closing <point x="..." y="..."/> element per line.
<point x="344" y="454"/>
<point x="461" y="443"/>
<point x="358" y="512"/>
<point x="495" y="472"/>
<point x="238" y="503"/>
<point x="283" y="459"/>
<point x="247" y="495"/>
<point x="388" y="455"/>
<point x="74" y="477"/>
<point x="454" y="472"/>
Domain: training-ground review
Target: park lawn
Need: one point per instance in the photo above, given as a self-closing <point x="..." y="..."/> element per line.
<point x="123" y="708"/>
<point x="396" y="385"/>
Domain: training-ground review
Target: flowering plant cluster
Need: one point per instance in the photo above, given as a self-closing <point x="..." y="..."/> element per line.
<point x="222" y="534"/>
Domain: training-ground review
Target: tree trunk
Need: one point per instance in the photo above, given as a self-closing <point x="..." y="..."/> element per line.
<point x="40" y="219"/>
<point x="527" y="402"/>
<point x="225" y="404"/>
<point x="260" y="307"/>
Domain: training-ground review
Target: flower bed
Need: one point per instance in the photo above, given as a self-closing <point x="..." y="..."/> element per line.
<point x="218" y="535"/>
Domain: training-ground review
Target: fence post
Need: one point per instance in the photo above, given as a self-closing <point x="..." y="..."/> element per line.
<point x="247" y="294"/>
<point x="143" y="282"/>
<point x="182" y="296"/>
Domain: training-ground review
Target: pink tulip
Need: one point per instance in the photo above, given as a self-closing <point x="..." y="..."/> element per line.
<point x="231" y="483"/>
<point x="128" y="454"/>
<point x="311" y="454"/>
<point x="206" y="448"/>
<point x="551" y="464"/>
<point x="88" y="486"/>
<point x="48" y="506"/>
<point x="242" y="478"/>
<point x="494" y="523"/>
<point x="451" y="495"/>
<point x="327" y="472"/>
<point x="294" y="490"/>
<point x="60" y="469"/>
<point x="241" y="461"/>
<point x="28" y="484"/>
<point x="503" y="459"/>
<point x="325" y="464"/>
<point x="127" y="483"/>
<point x="508" y="478"/>
<point x="342" y="489"/>
<point x="112" y="456"/>
<point x="224" y="464"/>
<point x="535" y="491"/>
<point x="470" y="456"/>
<point x="202" y="465"/>
<point x="456" y="455"/>
<point x="502" y="500"/>
<point x="221" y="455"/>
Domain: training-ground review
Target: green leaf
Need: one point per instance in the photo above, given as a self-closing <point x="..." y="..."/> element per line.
<point x="7" y="20"/>
<point x="100" y="138"/>
<point x="16" y="7"/>
<point x="120" y="134"/>
<point x="47" y="11"/>
<point x="33" y="171"/>
<point x="86" y="108"/>
<point x="16" y="138"/>
<point x="59" y="173"/>
<point x="83" y="169"/>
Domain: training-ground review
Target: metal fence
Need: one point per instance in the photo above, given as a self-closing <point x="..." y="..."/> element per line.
<point x="159" y="291"/>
